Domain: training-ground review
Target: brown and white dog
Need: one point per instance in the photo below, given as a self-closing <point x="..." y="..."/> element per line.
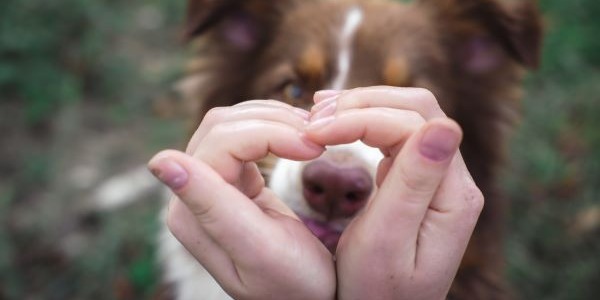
<point x="471" y="54"/>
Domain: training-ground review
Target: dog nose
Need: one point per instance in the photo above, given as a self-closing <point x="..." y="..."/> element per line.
<point x="336" y="190"/>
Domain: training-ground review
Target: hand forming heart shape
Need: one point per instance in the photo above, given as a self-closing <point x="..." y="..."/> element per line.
<point x="406" y="244"/>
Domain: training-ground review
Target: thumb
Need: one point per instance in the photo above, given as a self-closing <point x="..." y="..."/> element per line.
<point x="221" y="209"/>
<point x="413" y="179"/>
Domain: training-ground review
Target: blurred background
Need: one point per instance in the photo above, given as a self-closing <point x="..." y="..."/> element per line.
<point x="87" y="94"/>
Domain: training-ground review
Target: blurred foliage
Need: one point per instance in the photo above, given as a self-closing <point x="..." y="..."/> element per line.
<point x="572" y="43"/>
<point x="554" y="238"/>
<point x="79" y="76"/>
<point x="56" y="52"/>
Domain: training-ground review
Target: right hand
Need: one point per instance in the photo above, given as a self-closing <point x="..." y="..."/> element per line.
<point x="409" y="240"/>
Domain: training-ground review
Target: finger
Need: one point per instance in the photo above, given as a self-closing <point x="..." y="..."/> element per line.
<point x="220" y="226"/>
<point x="223" y="211"/>
<point x="257" y="109"/>
<point x="269" y="202"/>
<point x="275" y="103"/>
<point x="229" y="235"/>
<point x="184" y="226"/>
<point x="227" y="145"/>
<point x="252" y="183"/>
<point x="325" y="94"/>
<point x="450" y="222"/>
<point x="413" y="179"/>
<point x="383" y="128"/>
<point x="416" y="99"/>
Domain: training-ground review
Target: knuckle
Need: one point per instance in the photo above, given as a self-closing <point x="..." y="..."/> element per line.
<point x="220" y="131"/>
<point x="474" y="200"/>
<point x="214" y="115"/>
<point x="405" y="117"/>
<point x="415" y="117"/>
<point x="428" y="102"/>
<point x="425" y="95"/>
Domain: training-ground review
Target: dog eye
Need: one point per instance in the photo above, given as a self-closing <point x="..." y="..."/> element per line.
<point x="293" y="93"/>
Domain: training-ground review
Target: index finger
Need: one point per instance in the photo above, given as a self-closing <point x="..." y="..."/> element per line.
<point x="419" y="100"/>
<point x="256" y="109"/>
<point x="379" y="127"/>
<point x="227" y="146"/>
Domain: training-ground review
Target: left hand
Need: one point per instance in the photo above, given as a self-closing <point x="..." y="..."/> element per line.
<point x="249" y="241"/>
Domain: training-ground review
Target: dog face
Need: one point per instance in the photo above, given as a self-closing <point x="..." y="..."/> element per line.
<point x="350" y="46"/>
<point x="339" y="50"/>
<point x="289" y="49"/>
<point x="470" y="54"/>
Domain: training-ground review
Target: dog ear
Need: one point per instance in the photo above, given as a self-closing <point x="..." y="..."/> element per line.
<point x="202" y="14"/>
<point x="475" y="29"/>
<point x="241" y="24"/>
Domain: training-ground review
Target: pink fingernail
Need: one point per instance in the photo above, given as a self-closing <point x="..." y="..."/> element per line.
<point x="170" y="173"/>
<point x="325" y="94"/>
<point x="439" y="143"/>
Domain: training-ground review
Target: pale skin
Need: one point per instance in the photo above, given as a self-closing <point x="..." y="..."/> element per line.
<point x="407" y="242"/>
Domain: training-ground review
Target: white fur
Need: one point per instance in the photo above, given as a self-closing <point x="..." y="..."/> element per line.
<point x="354" y="18"/>
<point x="123" y="189"/>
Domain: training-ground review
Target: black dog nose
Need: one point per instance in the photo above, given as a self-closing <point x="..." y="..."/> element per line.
<point x="336" y="190"/>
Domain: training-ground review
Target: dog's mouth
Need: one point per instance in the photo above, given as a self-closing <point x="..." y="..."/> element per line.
<point x="326" y="232"/>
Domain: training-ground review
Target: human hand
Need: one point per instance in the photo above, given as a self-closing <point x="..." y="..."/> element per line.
<point x="408" y="241"/>
<point x="250" y="242"/>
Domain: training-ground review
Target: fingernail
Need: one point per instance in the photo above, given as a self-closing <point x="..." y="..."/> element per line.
<point x="326" y="111"/>
<point x="325" y="94"/>
<point x="320" y="123"/>
<point x="170" y="173"/>
<point x="319" y="106"/>
<point x="439" y="143"/>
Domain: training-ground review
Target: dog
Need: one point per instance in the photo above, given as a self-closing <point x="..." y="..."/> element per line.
<point x="471" y="54"/>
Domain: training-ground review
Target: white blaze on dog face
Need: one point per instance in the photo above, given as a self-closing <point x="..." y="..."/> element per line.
<point x="353" y="19"/>
<point x="353" y="46"/>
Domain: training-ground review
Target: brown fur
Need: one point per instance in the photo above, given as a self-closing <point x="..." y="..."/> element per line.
<point x="433" y="44"/>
